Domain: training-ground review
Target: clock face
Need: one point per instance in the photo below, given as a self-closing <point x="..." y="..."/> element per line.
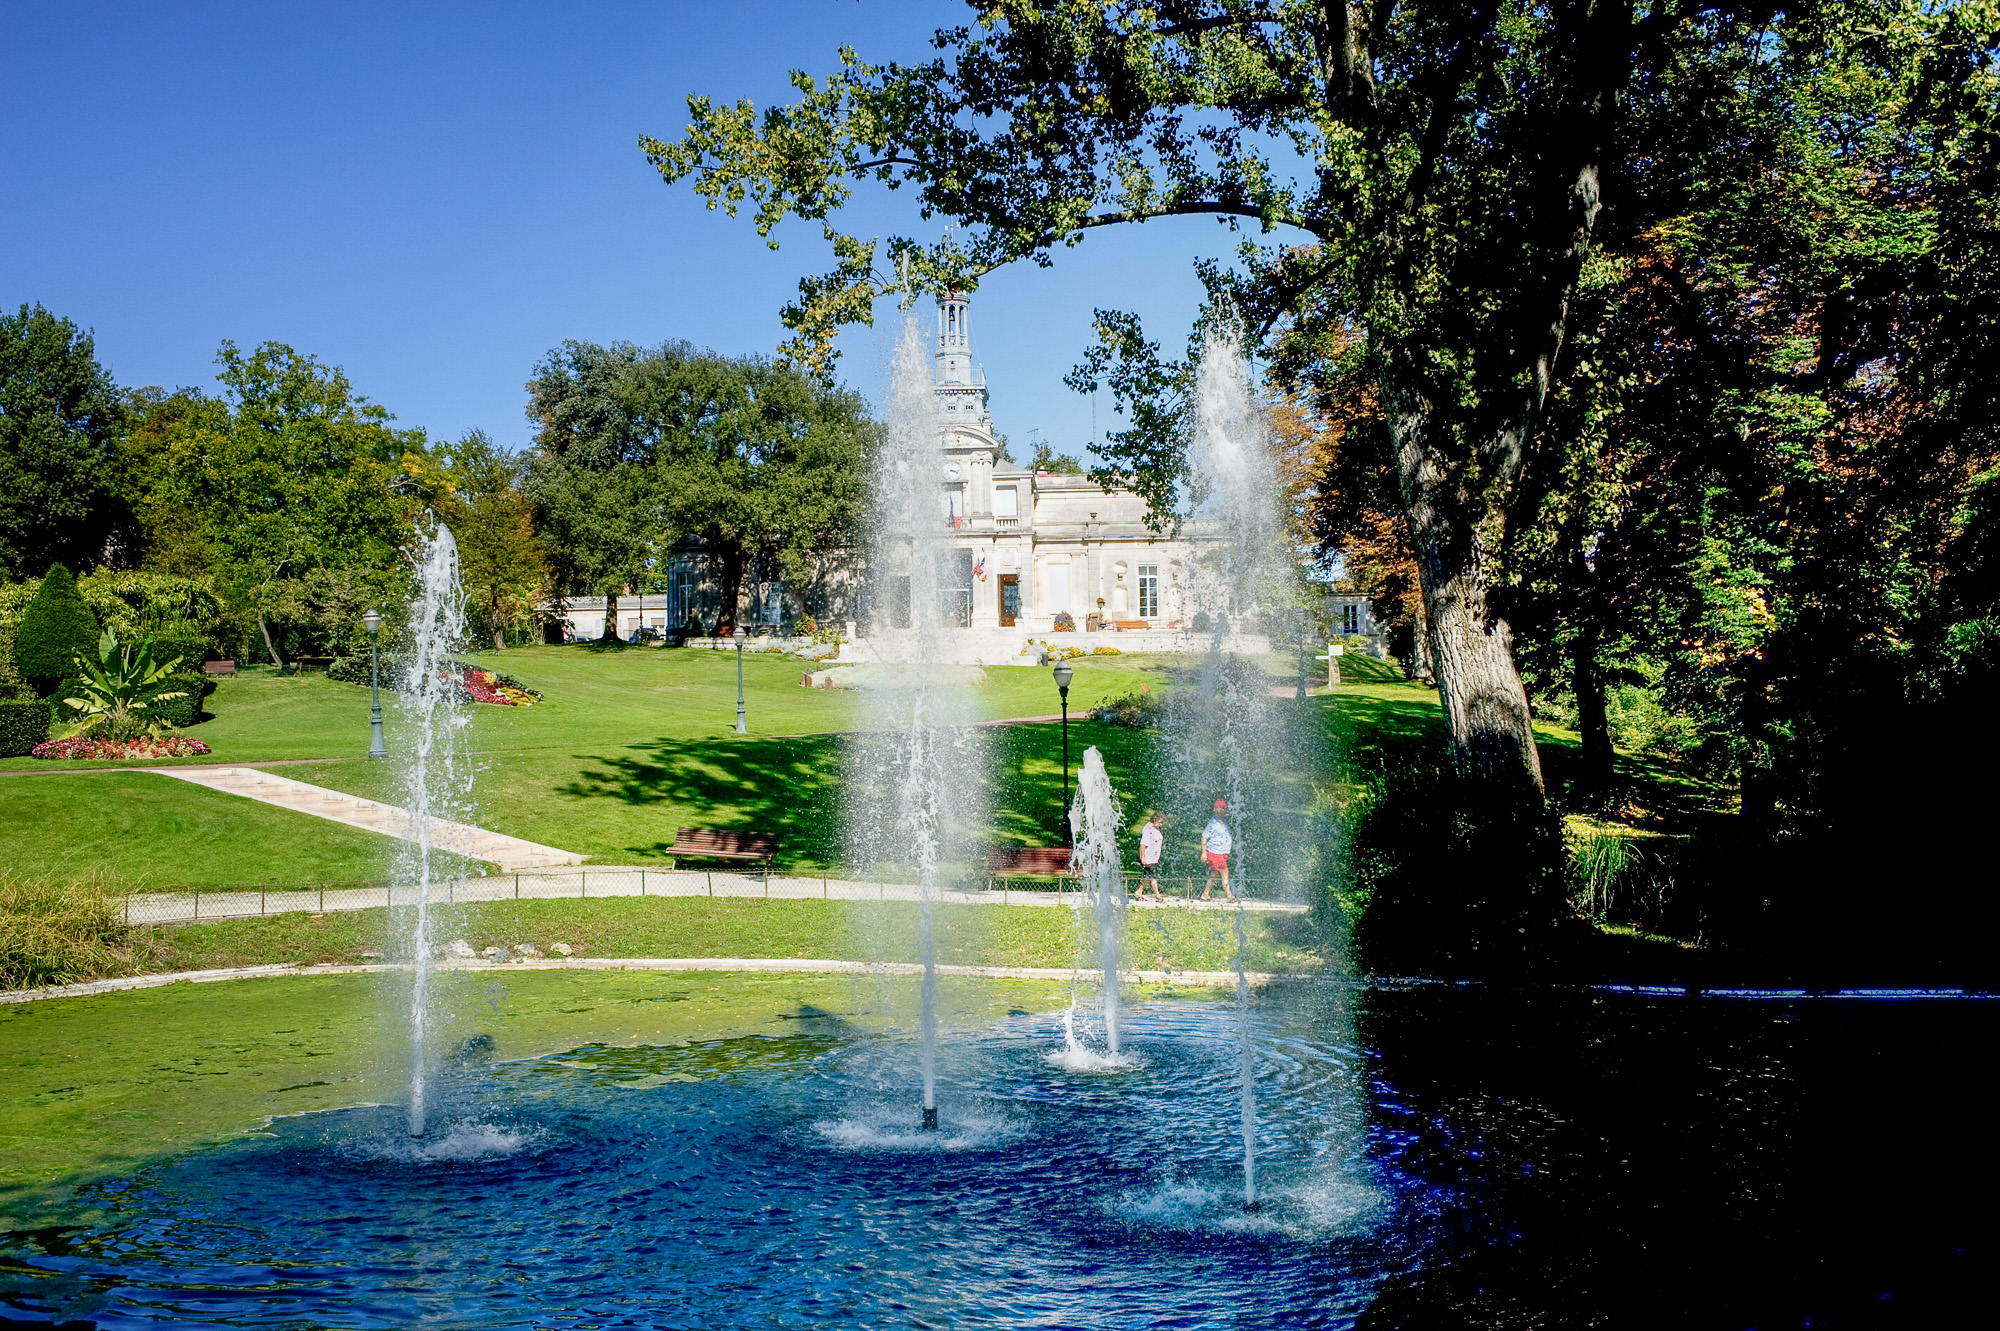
<point x="951" y="471"/>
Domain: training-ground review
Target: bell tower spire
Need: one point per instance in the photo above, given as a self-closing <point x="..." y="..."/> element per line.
<point x="961" y="390"/>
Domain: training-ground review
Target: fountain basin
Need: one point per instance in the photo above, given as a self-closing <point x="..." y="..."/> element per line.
<point x="1426" y="1156"/>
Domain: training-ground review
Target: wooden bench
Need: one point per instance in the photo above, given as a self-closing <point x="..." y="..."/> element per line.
<point x="701" y="843"/>
<point x="218" y="667"/>
<point x="1027" y="862"/>
<point x="1122" y="624"/>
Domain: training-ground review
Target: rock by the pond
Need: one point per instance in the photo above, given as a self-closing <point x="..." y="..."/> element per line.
<point x="458" y="947"/>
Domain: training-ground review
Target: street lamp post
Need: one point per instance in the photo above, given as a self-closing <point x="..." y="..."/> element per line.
<point x="742" y="718"/>
<point x="377" y="746"/>
<point x="1063" y="673"/>
<point x="1299" y="626"/>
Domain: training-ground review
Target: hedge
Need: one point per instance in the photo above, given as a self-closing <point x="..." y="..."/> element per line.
<point x="23" y="725"/>
<point x="183" y="712"/>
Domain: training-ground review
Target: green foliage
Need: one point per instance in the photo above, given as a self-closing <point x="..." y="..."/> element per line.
<point x="1046" y="459"/>
<point x="55" y="931"/>
<point x="503" y="568"/>
<point x="60" y="416"/>
<point x="1449" y="874"/>
<point x="137" y="603"/>
<point x="639" y="449"/>
<point x="23" y="725"/>
<point x="54" y="630"/>
<point x="186" y="709"/>
<point x="292" y="490"/>
<point x="121" y="694"/>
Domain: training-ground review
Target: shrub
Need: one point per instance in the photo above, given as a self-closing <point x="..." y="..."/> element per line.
<point x="178" y="644"/>
<point x="1140" y="711"/>
<point x="1105" y="651"/>
<point x="1454" y="875"/>
<point x="186" y="710"/>
<point x="11" y="683"/>
<point x="59" y="932"/>
<point x="23" y="725"/>
<point x="694" y="627"/>
<point x="56" y="628"/>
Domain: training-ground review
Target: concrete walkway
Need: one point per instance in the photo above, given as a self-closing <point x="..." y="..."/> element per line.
<point x="585" y="882"/>
<point x="474" y="843"/>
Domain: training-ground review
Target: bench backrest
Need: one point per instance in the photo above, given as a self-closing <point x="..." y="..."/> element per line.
<point x="1029" y="859"/>
<point x="703" y="841"/>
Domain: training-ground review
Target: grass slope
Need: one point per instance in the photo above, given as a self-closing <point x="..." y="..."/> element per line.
<point x="154" y="831"/>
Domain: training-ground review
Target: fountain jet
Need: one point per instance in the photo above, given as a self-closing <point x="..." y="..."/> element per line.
<point x="1096" y="826"/>
<point x="436" y="775"/>
<point x="917" y="772"/>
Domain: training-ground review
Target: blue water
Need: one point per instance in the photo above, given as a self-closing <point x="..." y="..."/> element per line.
<point x="1442" y="1158"/>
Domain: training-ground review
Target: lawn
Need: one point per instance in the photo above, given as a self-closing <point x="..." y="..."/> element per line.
<point x="95" y="1087"/>
<point x="1167" y="939"/>
<point x="153" y="831"/>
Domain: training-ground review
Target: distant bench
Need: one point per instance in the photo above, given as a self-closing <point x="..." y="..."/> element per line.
<point x="1027" y="862"/>
<point x="1120" y="625"/>
<point x="703" y="844"/>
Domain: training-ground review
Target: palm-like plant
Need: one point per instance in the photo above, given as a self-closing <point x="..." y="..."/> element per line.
<point x="120" y="690"/>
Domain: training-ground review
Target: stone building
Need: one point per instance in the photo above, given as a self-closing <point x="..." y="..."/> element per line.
<point x="1030" y="546"/>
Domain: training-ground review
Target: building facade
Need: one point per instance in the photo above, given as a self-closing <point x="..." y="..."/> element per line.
<point x="1027" y="547"/>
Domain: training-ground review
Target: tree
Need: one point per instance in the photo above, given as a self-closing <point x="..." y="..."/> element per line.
<point x="60" y="417"/>
<point x="502" y="566"/>
<point x="1046" y="459"/>
<point x="54" y="630"/>
<point x="759" y="464"/>
<point x="292" y="488"/>
<point x="1452" y="166"/>
<point x="596" y="510"/>
<point x="746" y="458"/>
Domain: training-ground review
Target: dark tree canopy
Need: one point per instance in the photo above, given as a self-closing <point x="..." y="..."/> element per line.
<point x="60" y="418"/>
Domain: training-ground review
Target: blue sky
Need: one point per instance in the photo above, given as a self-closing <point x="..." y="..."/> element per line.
<point x="432" y="196"/>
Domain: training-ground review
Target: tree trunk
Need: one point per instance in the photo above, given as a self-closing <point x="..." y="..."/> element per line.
<point x="269" y="646"/>
<point x="610" y="631"/>
<point x="1423" y="661"/>
<point x="1485" y="703"/>
<point x="732" y="586"/>
<point x="1587" y="680"/>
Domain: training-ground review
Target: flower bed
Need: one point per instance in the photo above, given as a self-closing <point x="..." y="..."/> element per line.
<point x="170" y="746"/>
<point x="490" y="686"/>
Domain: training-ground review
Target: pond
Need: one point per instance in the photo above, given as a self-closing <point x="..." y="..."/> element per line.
<point x="1427" y="1156"/>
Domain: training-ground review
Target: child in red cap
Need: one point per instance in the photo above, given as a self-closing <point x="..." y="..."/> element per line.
<point x="1215" y="844"/>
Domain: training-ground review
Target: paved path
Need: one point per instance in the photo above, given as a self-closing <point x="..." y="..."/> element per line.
<point x="586" y="882"/>
<point x="474" y="843"/>
<point x="787" y="965"/>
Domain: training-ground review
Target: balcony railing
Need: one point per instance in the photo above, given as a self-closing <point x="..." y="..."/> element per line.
<point x="1006" y="522"/>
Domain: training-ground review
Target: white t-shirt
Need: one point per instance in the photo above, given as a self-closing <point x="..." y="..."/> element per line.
<point x="1215" y="837"/>
<point x="1150" y="842"/>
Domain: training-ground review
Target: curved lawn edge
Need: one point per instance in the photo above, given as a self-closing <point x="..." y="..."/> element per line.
<point x="778" y="965"/>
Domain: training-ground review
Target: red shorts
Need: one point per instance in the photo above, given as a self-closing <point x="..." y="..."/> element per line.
<point x="1219" y="863"/>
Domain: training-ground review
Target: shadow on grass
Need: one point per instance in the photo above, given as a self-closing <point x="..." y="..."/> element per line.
<point x="790" y="787"/>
